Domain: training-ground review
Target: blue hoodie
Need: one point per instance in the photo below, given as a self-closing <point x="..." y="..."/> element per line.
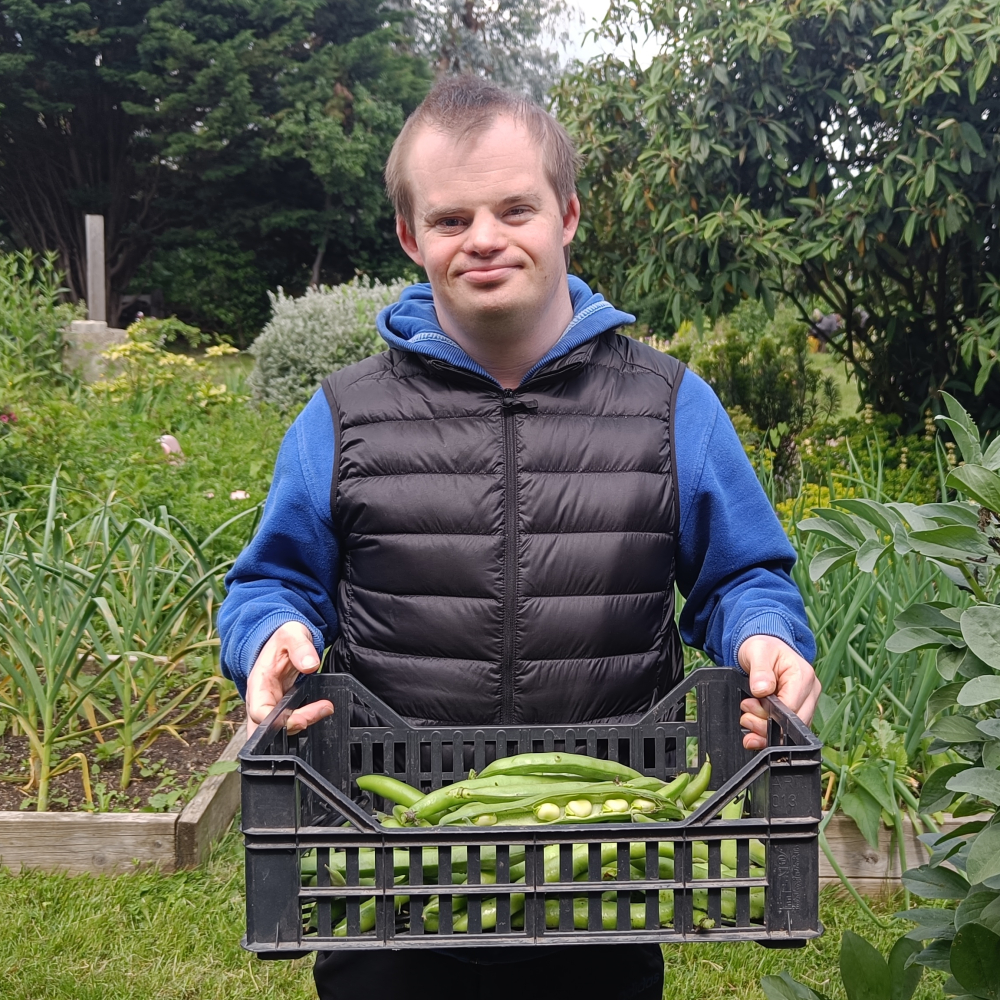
<point x="733" y="557"/>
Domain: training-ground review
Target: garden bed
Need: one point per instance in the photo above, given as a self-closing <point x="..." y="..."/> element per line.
<point x="165" y="777"/>
<point x="114" y="842"/>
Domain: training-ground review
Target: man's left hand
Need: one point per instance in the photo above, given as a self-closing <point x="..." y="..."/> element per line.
<point x="775" y="668"/>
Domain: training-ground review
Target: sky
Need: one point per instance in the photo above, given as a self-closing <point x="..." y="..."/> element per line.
<point x="590" y="14"/>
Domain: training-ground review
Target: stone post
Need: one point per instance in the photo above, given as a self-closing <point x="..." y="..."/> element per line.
<point x="97" y="309"/>
<point x="87" y="338"/>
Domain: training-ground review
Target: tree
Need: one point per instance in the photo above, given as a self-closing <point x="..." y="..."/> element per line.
<point x="199" y="114"/>
<point x="503" y="39"/>
<point x="844" y="151"/>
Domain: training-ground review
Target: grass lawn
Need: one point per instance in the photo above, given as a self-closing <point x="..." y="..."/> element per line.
<point x="830" y="363"/>
<point x="151" y="937"/>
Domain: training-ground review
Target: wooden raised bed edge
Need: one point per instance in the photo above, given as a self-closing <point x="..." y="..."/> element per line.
<point x="105" y="843"/>
<point x="873" y="872"/>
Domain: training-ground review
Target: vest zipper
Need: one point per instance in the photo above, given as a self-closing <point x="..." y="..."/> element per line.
<point x="508" y="408"/>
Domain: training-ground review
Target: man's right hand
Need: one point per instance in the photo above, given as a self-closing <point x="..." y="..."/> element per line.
<point x="288" y="653"/>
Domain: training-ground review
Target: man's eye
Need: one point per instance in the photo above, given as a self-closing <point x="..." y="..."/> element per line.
<point x="451" y="223"/>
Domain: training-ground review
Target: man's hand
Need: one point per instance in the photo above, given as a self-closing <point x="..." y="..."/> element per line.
<point x="775" y="668"/>
<point x="288" y="653"/>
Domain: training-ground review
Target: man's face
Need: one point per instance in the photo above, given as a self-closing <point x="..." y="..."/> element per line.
<point x="487" y="227"/>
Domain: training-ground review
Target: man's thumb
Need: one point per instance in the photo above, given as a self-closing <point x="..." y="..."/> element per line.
<point x="762" y="680"/>
<point x="302" y="653"/>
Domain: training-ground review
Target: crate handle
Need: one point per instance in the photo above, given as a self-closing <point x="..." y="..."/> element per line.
<point x="789" y="721"/>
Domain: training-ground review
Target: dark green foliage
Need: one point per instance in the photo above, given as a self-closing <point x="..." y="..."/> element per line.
<point x="844" y="150"/>
<point x="262" y="122"/>
<point x="209" y="282"/>
<point x="760" y="365"/>
<point x="865" y="974"/>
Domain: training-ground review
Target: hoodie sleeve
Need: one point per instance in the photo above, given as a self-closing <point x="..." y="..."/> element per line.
<point x="288" y="572"/>
<point x="733" y="557"/>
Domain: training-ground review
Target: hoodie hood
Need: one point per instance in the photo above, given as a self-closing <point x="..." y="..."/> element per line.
<point x="411" y="324"/>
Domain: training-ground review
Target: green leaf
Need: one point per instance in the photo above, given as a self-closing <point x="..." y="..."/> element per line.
<point x="983" y="782"/>
<point x="881" y="516"/>
<point x="935" y="795"/>
<point x="953" y="541"/>
<point x="981" y="631"/>
<point x="869" y="554"/>
<point x="917" y="638"/>
<point x="783" y="987"/>
<point x="829" y="559"/>
<point x="866" y="813"/>
<point x="223" y="766"/>
<point x="990" y="727"/>
<point x="991" y="457"/>
<point x="975" y="961"/>
<point x="925" y="616"/>
<point x="936" y="883"/>
<point x="956" y="729"/>
<point x="904" y="980"/>
<point x="942" y="698"/>
<point x="971" y="908"/>
<point x="874" y="781"/>
<point x="968" y="443"/>
<point x="971" y="137"/>
<point x="990" y="917"/>
<point x="991" y="756"/>
<point x="984" y="855"/>
<point x="978" y="483"/>
<point x="932" y="918"/>
<point x="980" y="690"/>
<point x="935" y="955"/>
<point x="949" y="659"/>
<point x="863" y="969"/>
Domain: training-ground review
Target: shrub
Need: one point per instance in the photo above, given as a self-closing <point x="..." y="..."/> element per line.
<point x="761" y="366"/>
<point x="31" y="315"/>
<point x="318" y="333"/>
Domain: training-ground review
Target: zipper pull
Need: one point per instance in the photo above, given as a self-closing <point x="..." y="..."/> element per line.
<point x="511" y="402"/>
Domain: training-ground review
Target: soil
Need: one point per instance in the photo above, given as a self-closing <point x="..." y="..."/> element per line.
<point x="173" y="772"/>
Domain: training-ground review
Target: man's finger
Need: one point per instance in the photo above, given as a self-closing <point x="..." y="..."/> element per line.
<point x="805" y="713"/>
<point x="753" y="707"/>
<point x="307" y="715"/>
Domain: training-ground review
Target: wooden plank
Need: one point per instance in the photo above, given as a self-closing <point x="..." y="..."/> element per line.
<point x="87" y="842"/>
<point x="871" y="871"/>
<point x="208" y="815"/>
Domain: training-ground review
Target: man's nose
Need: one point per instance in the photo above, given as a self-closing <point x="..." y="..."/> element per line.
<point x="485" y="234"/>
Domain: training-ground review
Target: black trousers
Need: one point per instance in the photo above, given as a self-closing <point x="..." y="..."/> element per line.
<point x="610" y="972"/>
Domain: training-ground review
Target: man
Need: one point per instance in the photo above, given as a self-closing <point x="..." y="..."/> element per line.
<point x="486" y="523"/>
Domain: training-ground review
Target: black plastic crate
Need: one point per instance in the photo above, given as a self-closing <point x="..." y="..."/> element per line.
<point x="300" y="801"/>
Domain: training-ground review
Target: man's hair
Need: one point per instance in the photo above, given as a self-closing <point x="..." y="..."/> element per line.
<point x="464" y="107"/>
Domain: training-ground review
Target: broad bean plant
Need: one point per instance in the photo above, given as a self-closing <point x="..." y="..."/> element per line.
<point x="961" y="538"/>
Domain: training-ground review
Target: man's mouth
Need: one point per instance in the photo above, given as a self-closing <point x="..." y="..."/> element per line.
<point x="488" y="275"/>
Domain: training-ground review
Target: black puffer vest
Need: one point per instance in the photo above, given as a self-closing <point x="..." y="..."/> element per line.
<point x="508" y="556"/>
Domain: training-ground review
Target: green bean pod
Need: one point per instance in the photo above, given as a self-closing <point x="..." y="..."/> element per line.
<point x="561" y="764"/>
<point x="697" y="786"/>
<point x="367" y="916"/>
<point x="499" y="788"/>
<point x="390" y="788"/>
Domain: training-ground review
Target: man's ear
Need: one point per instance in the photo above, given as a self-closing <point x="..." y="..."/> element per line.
<point x="570" y="219"/>
<point x="408" y="241"/>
